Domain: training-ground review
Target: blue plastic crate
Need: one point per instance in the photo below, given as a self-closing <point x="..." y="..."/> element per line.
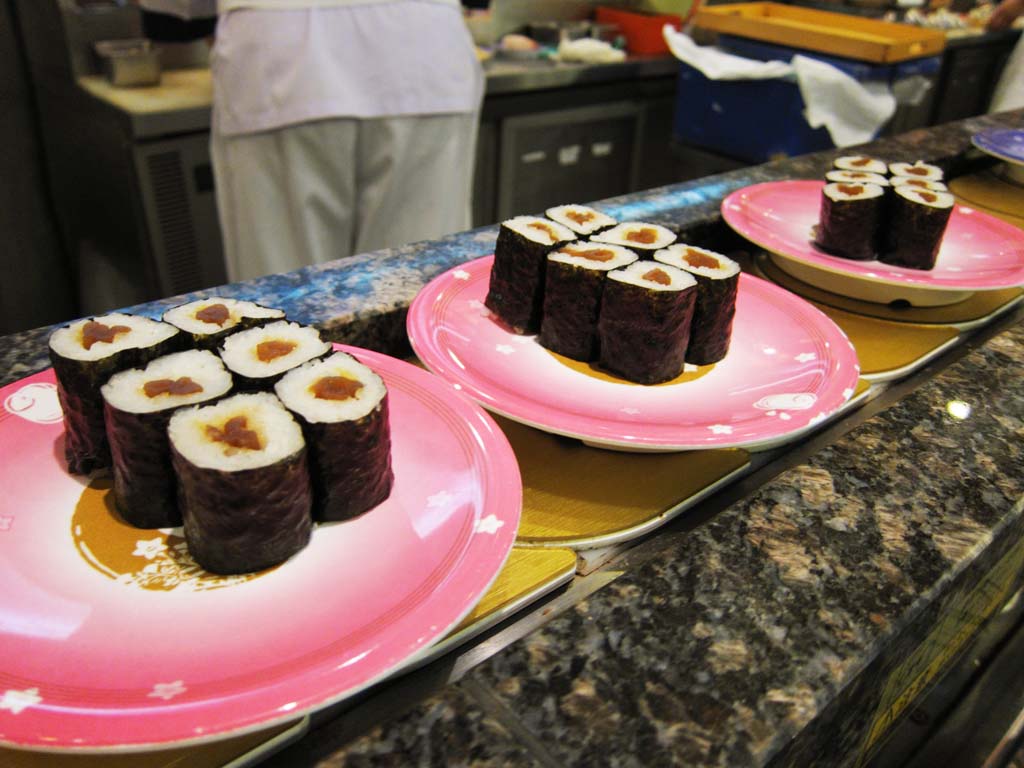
<point x="758" y="120"/>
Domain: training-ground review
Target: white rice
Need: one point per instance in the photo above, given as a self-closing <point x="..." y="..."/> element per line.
<point x="620" y="235"/>
<point x="239" y="351"/>
<point x="857" y="177"/>
<point x="860" y="163"/>
<point x="279" y="434"/>
<point x="680" y="256"/>
<point x="143" y="332"/>
<point x="295" y="390"/>
<point x="125" y="391"/>
<point x="840" y="191"/>
<point x="926" y="197"/>
<point x="933" y="186"/>
<point x="572" y="254"/>
<point x="587" y="220"/>
<point x="634" y="275"/>
<point x="918" y="170"/>
<point x="184" y="316"/>
<point x="538" y="230"/>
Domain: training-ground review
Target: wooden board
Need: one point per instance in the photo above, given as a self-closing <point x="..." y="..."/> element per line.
<point x="823" y="31"/>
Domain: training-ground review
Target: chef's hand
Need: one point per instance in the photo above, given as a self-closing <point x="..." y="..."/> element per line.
<point x="1005" y="13"/>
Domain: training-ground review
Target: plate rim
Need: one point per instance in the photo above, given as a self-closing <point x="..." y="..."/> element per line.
<point x="433" y="289"/>
<point x="728" y="215"/>
<point x="993" y="152"/>
<point x="493" y="449"/>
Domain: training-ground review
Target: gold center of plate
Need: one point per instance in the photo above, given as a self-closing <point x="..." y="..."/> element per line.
<point x="593" y="371"/>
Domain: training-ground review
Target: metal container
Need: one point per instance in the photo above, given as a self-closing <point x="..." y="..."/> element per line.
<point x="131" y="62"/>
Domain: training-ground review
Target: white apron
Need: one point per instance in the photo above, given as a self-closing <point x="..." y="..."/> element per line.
<point x="340" y="126"/>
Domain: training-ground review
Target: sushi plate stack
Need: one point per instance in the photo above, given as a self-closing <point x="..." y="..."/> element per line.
<point x="1008" y="145"/>
<point x="978" y="252"/>
<point x="788" y="368"/>
<point x="114" y="641"/>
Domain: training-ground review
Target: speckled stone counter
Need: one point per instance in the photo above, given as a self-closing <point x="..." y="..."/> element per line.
<point x="790" y="628"/>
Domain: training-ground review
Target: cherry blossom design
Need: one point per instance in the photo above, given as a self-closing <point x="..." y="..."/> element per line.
<point x="720" y="429"/>
<point x="150" y="548"/>
<point x="505" y="349"/>
<point x="489" y="524"/>
<point x="167" y="691"/>
<point x="16" y="702"/>
<point x="460" y="274"/>
<point x="805" y="357"/>
<point x="5" y="522"/>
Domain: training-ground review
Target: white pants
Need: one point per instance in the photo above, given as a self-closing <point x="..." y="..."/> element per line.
<point x="1009" y="91"/>
<point x="314" y="192"/>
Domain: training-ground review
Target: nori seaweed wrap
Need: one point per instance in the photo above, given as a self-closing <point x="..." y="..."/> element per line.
<point x="860" y="163"/>
<point x="849" y="220"/>
<point x="576" y="277"/>
<point x="259" y="357"/>
<point x="138" y="404"/>
<point x="343" y="408"/>
<point x="641" y="238"/>
<point x="580" y="219"/>
<point x="243" y="482"/>
<point x="644" y="324"/>
<point x="84" y="355"/>
<point x="717" y="284"/>
<point x="211" y="320"/>
<point x="516" y="291"/>
<point x="916" y="225"/>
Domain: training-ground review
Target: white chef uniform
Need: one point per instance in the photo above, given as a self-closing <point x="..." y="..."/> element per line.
<point x="340" y="126"/>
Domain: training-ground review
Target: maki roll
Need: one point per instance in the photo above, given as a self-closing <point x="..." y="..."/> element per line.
<point x="243" y="482"/>
<point x="644" y="323"/>
<point x="258" y="357"/>
<point x="343" y="408"/>
<point x="849" y="219"/>
<point x="580" y="219"/>
<point x="516" y="291"/>
<point x="84" y="355"/>
<point x="717" y="279"/>
<point x="572" y="296"/>
<point x="138" y="404"/>
<point x="209" y="321"/>
<point x="641" y="238"/>
<point x="931" y="186"/>
<point x="916" y="224"/>
<point x="857" y="177"/>
<point x="860" y="163"/>
<point x="917" y="170"/>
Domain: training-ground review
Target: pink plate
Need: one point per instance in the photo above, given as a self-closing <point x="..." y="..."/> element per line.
<point x="789" y="367"/>
<point x="112" y="639"/>
<point x="979" y="252"/>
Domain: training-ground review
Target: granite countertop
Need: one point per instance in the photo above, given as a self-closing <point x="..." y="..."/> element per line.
<point x="778" y="628"/>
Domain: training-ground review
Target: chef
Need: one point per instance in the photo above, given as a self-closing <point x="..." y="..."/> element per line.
<point x="339" y="127"/>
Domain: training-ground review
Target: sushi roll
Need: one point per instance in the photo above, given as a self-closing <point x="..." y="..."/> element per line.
<point x="917" y="170"/>
<point x="243" y="482"/>
<point x="572" y="296"/>
<point x="138" y="404"/>
<point x="644" y="322"/>
<point x="258" y="357"/>
<point x="717" y="279"/>
<point x="209" y="321"/>
<point x="857" y="177"/>
<point x="860" y="163"/>
<point x="516" y="291"/>
<point x="641" y="238"/>
<point x="84" y="355"/>
<point x="580" y="219"/>
<point x="849" y="220"/>
<point x="916" y="224"/>
<point x="343" y="408"/>
<point x="931" y="186"/>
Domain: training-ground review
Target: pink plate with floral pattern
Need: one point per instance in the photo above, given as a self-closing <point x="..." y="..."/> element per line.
<point x="112" y="639"/>
<point x="788" y="368"/>
<point x="979" y="252"/>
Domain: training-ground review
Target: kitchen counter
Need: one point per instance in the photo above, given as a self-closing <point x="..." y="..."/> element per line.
<point x="181" y="102"/>
<point x="787" y="620"/>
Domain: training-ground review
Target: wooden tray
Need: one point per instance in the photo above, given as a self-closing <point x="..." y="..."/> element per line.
<point x="824" y="31"/>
